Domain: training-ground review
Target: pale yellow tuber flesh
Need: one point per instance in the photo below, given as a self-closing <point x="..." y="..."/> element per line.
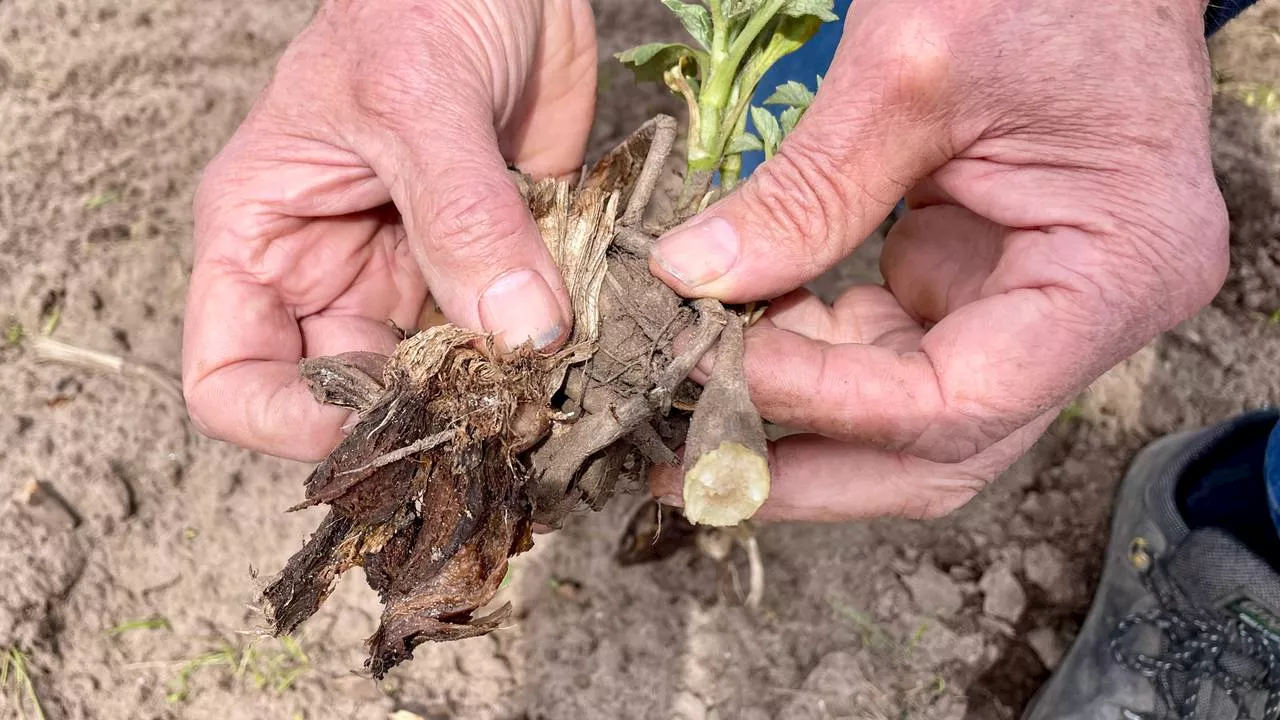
<point x="726" y="485"/>
<point x="726" y="464"/>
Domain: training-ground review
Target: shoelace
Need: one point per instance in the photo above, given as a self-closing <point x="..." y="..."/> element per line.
<point x="1193" y="642"/>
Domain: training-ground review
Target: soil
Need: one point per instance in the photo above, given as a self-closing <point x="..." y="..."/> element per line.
<point x="112" y="107"/>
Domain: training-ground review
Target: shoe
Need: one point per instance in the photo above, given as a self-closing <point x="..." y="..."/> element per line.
<point x="1185" y="623"/>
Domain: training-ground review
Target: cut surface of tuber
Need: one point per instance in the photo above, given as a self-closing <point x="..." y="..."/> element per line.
<point x="726" y="459"/>
<point x="726" y="485"/>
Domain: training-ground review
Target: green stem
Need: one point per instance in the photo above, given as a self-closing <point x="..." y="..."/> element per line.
<point x="719" y="85"/>
<point x="731" y="166"/>
<point x="750" y="31"/>
<point x="719" y="29"/>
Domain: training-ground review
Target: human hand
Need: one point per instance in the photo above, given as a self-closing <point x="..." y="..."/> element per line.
<point x="370" y="171"/>
<point x="1063" y="212"/>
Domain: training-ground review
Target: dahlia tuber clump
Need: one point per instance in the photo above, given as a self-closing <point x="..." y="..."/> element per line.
<point x="459" y="450"/>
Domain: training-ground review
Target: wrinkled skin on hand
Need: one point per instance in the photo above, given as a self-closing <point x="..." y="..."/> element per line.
<point x="371" y="172"/>
<point x="1063" y="212"/>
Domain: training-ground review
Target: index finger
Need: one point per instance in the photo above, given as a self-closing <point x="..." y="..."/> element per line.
<point x="241" y="348"/>
<point x="985" y="370"/>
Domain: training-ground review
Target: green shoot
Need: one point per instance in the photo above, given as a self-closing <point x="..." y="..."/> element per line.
<point x="1259" y="95"/>
<point x="16" y="685"/>
<point x="873" y="636"/>
<point x="737" y="42"/>
<point x="153" y="623"/>
<point x="1274" y="318"/>
<point x="916" y="637"/>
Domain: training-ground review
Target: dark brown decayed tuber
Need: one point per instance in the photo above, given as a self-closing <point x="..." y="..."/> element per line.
<point x="459" y="450"/>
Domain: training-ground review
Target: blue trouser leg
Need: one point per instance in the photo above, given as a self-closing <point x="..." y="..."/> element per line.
<point x="1271" y="471"/>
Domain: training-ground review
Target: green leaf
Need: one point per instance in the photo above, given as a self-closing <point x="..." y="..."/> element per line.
<point x="790" y="117"/>
<point x="791" y="34"/>
<point x="695" y="18"/>
<point x="821" y="9"/>
<point x="770" y="132"/>
<point x="648" y="62"/>
<point x="746" y="142"/>
<point x="791" y="93"/>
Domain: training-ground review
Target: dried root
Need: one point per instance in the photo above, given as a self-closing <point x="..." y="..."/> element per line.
<point x="46" y="349"/>
<point x="459" y="451"/>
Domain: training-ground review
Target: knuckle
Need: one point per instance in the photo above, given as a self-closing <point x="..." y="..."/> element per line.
<point x="913" y="59"/>
<point x="474" y="222"/>
<point x="398" y="78"/>
<point x="798" y="200"/>
<point x="937" y="498"/>
<point x="199" y="410"/>
<point x="1210" y="253"/>
<point x="390" y="92"/>
<point x="430" y="55"/>
<point x="1182" y="247"/>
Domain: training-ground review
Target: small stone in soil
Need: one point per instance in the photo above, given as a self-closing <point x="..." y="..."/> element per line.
<point x="934" y="592"/>
<point x="687" y="706"/>
<point x="1004" y="598"/>
<point x="1047" y="646"/>
<point x="1047" y="568"/>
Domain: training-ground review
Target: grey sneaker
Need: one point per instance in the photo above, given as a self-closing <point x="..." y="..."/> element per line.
<point x="1186" y="621"/>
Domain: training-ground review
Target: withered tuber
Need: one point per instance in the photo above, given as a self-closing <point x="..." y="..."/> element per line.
<point x="459" y="451"/>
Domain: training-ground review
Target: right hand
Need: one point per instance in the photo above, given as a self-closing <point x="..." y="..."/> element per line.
<point x="371" y="171"/>
<point x="1063" y="213"/>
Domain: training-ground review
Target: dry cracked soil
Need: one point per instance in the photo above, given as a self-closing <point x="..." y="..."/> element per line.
<point x="127" y="590"/>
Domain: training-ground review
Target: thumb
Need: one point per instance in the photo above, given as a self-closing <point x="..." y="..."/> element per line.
<point x="470" y="230"/>
<point x="866" y="139"/>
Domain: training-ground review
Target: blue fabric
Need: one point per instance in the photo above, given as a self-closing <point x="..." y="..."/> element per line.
<point x="1222" y="11"/>
<point x="803" y="65"/>
<point x="1271" y="471"/>
<point x="1225" y="487"/>
<point x="814" y="58"/>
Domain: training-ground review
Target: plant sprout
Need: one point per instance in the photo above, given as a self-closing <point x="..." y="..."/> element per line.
<point x="737" y="42"/>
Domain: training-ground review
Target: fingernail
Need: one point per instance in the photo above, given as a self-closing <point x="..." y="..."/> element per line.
<point x="671" y="501"/>
<point x="352" y="420"/>
<point x="518" y="308"/>
<point x="699" y="253"/>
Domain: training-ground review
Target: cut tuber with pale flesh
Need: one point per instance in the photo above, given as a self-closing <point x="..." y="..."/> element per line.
<point x="726" y="461"/>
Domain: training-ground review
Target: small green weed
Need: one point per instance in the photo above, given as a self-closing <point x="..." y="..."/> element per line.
<point x="16" y="685"/>
<point x="101" y="199"/>
<point x="14" y="332"/>
<point x="152" y="623"/>
<point x="1072" y="412"/>
<point x="873" y="636"/>
<point x="273" y="670"/>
